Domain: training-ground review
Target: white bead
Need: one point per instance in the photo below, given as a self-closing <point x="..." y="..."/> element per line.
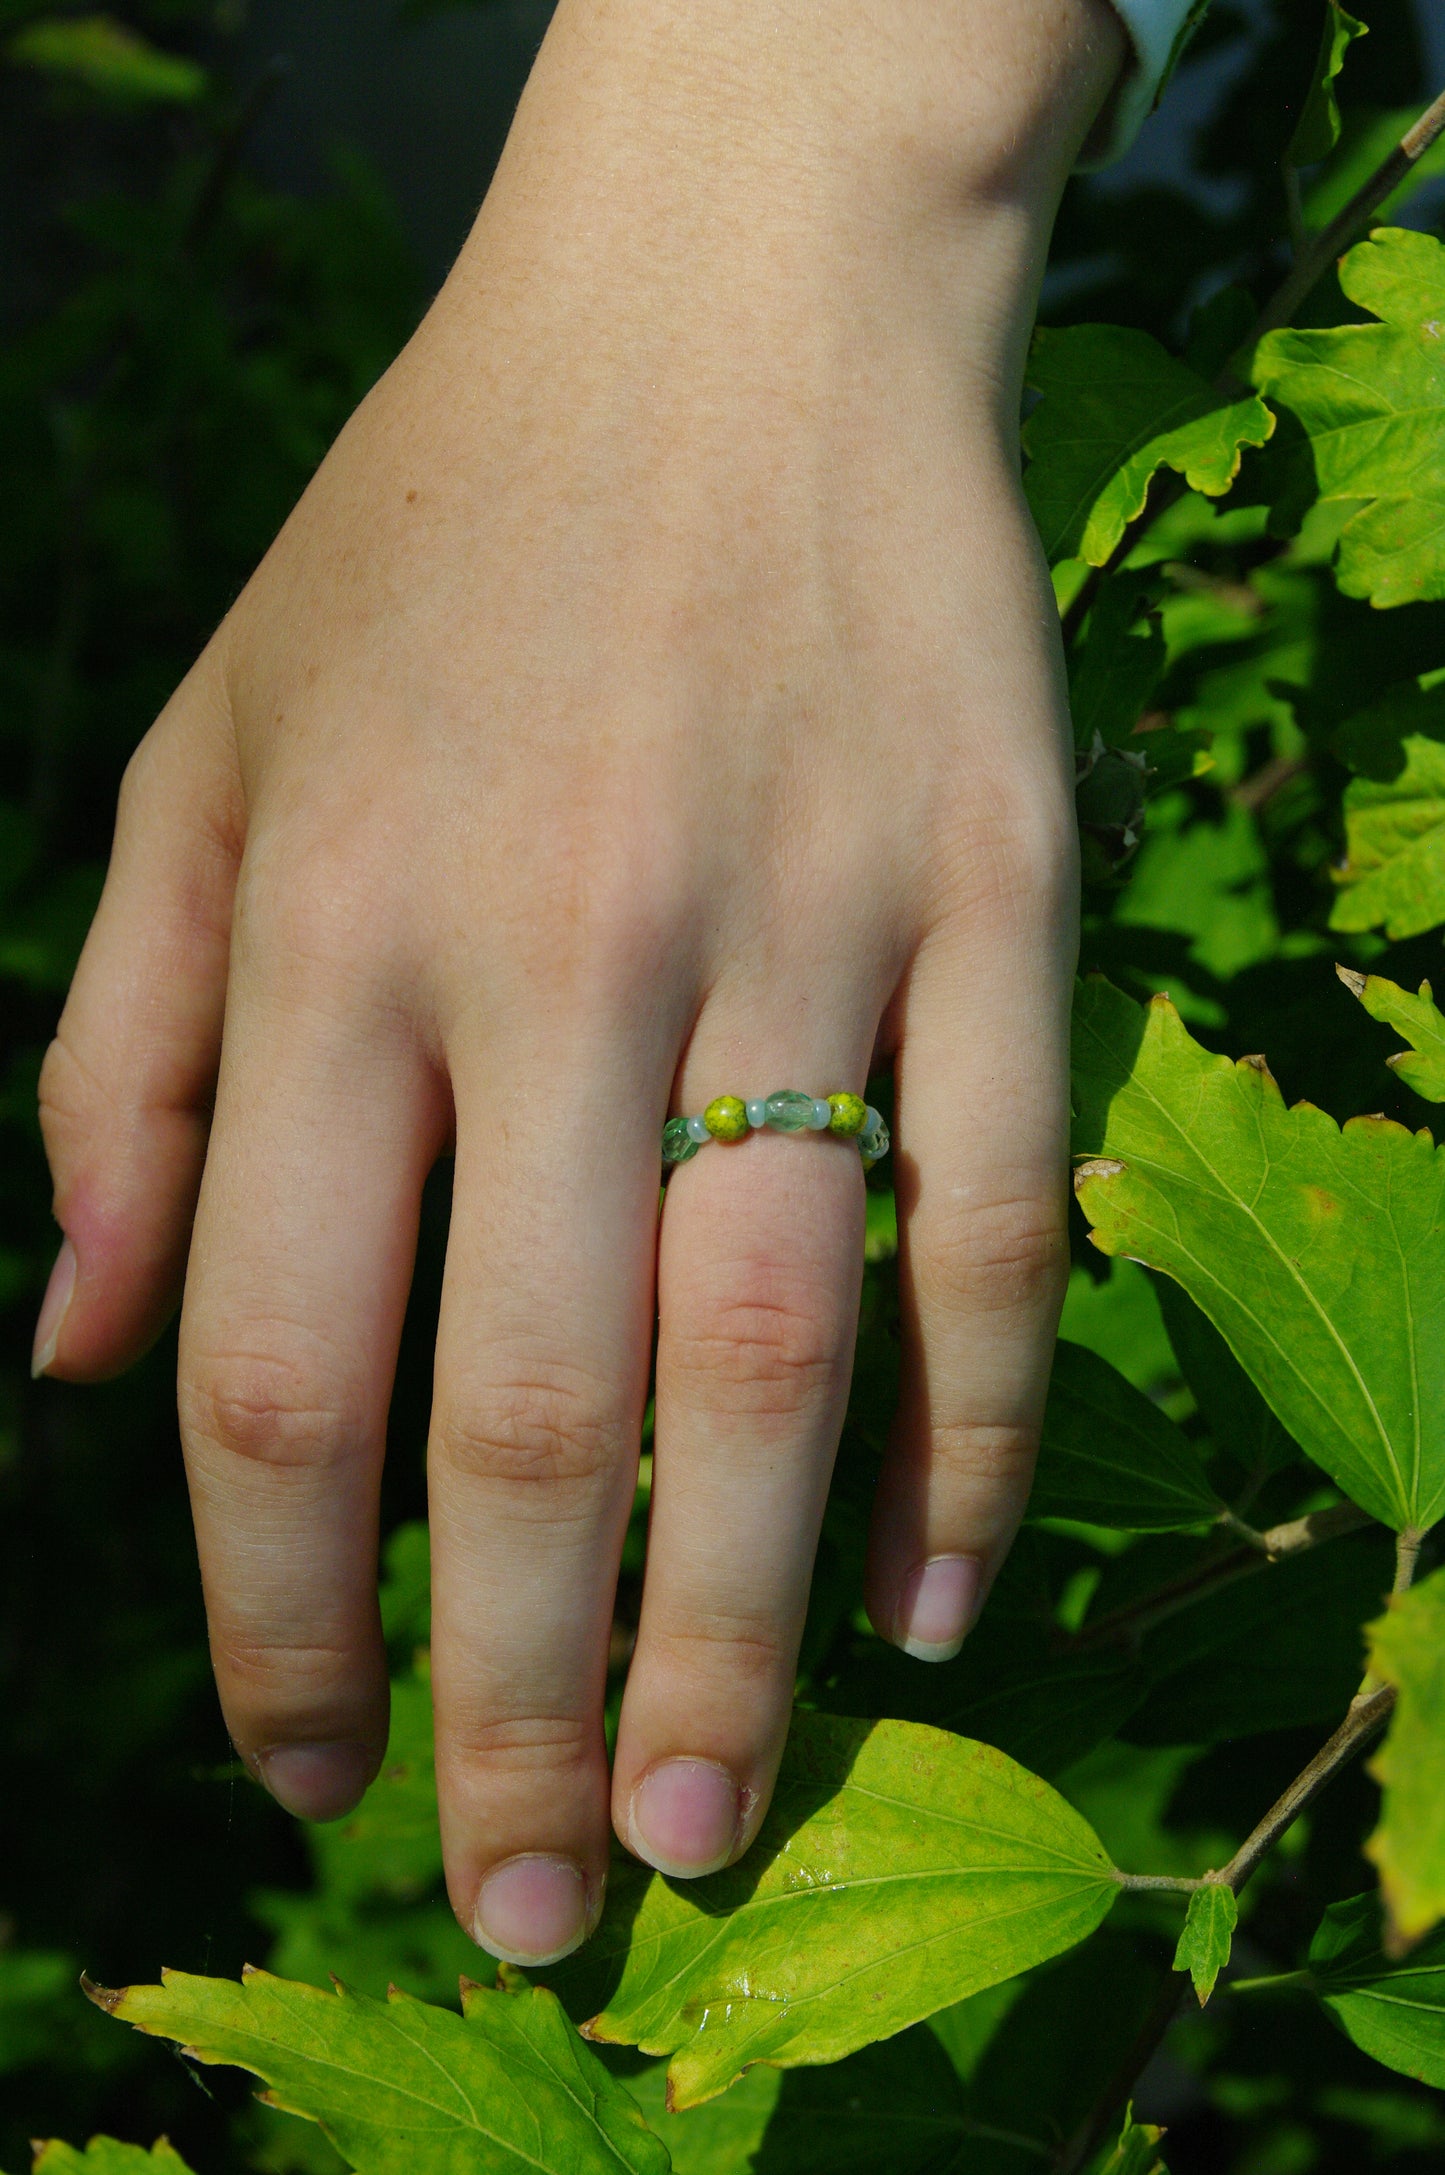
<point x="697" y="1130"/>
<point x="822" y="1115"/>
<point x="757" y="1111"/>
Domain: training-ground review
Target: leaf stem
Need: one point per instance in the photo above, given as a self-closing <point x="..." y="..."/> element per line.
<point x="1177" y="1881"/>
<point x="1407" y="1558"/>
<point x="1268" y="1980"/>
<point x="1315" y="260"/>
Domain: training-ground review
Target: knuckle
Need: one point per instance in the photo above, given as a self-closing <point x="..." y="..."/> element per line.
<point x="736" y="1650"/>
<point x="271" y="1677"/>
<point x="535" y="1744"/>
<point x="993" y="1256"/>
<point x="319" y="900"/>
<point x="69" y="1098"/>
<point x="1014" y="858"/>
<point x="538" y="1431"/>
<point x="770" y="1354"/>
<point x="997" y="1455"/>
<point x="267" y="1409"/>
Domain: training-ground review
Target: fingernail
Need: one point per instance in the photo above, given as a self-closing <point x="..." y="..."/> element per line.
<point x="53" y="1307"/>
<point x="938" y="1606"/>
<point x="316" y="1782"/>
<point x="532" y="1910"/>
<point x="684" y="1817"/>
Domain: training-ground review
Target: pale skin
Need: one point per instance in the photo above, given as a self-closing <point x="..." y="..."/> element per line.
<point x="656" y="693"/>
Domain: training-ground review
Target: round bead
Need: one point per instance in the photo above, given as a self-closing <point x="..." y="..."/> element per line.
<point x="726" y="1118"/>
<point x="678" y="1145"/>
<point x="789" y="1110"/>
<point x="849" y="1115"/>
<point x="821" y="1115"/>
<point x="757" y="1110"/>
<point x="697" y="1130"/>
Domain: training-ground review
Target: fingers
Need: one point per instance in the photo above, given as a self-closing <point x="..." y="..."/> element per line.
<point x="542" y="1360"/>
<point x="326" y="1123"/>
<point x="759" y="1271"/>
<point x="126" y="1084"/>
<point x="980" y="1147"/>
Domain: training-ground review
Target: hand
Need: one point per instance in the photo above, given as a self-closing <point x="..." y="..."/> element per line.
<point x="655" y="694"/>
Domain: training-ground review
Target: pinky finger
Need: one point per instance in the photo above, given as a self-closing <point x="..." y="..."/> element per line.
<point x="126" y="1084"/>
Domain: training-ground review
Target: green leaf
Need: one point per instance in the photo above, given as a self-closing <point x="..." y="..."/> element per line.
<point x="1115" y="408"/>
<point x="1372" y="400"/>
<point x="1109" y="1456"/>
<point x="899" y="1870"/>
<point x="1394" y="869"/>
<point x="1240" y="1423"/>
<point x="1316" y="1252"/>
<point x="1407" y="1649"/>
<point x="1137" y="2152"/>
<point x="109" y="57"/>
<point x="1318" y="129"/>
<point x="1418" y="1018"/>
<point x="401" y="2088"/>
<point x="1371" y="741"/>
<point x="1204" y="1944"/>
<point x="104" y="2156"/>
<point x="1393" y="2011"/>
<point x="1117" y="661"/>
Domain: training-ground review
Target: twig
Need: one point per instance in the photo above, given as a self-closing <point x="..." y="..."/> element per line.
<point x="1367" y="1716"/>
<point x="1407" y="1558"/>
<point x="1127" y="1624"/>
<point x="1321" y="253"/>
<point x="1297" y="1534"/>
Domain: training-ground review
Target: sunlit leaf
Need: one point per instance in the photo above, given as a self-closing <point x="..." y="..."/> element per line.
<point x="899" y="1870"/>
<point x="1319" y="1254"/>
<point x="1109" y="1456"/>
<point x="1115" y="408"/>
<point x="1318" y="129"/>
<point x="1371" y="399"/>
<point x="1407" y="1649"/>
<point x="1204" y="1944"/>
<point x="1418" y="1018"/>
<point x="405" y="2089"/>
<point x="105" y="2156"/>
<point x="1393" y="2011"/>
<point x="109" y="57"/>
<point x="1393" y="874"/>
<point x="1137" y="2152"/>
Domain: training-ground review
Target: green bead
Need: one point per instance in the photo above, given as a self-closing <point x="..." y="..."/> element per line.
<point x="874" y="1146"/>
<point x="678" y="1146"/>
<point x="789" y="1110"/>
<point x="726" y="1118"/>
<point x="850" y="1115"/>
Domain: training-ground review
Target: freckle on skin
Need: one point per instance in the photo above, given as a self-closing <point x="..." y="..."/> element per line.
<point x="411" y="498"/>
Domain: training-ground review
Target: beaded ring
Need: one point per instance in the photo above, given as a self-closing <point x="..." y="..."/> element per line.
<point x="728" y="1117"/>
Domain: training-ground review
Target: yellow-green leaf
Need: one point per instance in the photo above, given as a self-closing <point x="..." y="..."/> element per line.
<point x="1371" y="399"/>
<point x="1418" y="1018"/>
<point x="105" y="2156"/>
<point x="1407" y="1649"/>
<point x="1318" y="1254"/>
<point x="1108" y="1455"/>
<point x="1394" y="869"/>
<point x="899" y="1870"/>
<point x="1115" y="408"/>
<point x="1203" y="1949"/>
<point x="402" y="2088"/>
<point x="109" y="57"/>
<point x="1137" y="2152"/>
<point x="1393" y="2011"/>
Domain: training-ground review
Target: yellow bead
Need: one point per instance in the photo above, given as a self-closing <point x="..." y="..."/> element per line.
<point x="850" y="1115"/>
<point x="726" y="1118"/>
